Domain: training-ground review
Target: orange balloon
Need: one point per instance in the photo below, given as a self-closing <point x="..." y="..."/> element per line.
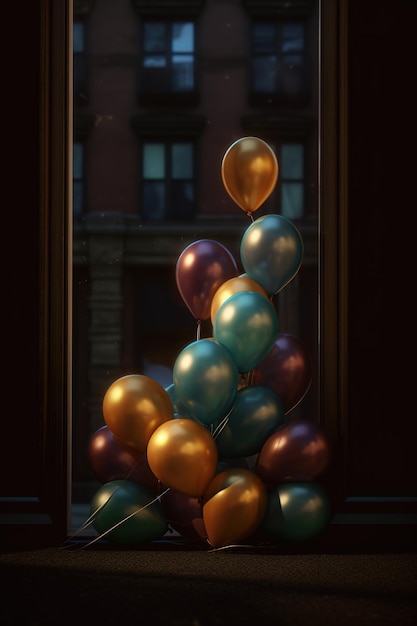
<point x="249" y="172"/>
<point x="183" y="455"/>
<point x="234" y="505"/>
<point x="232" y="286"/>
<point x="133" y="407"/>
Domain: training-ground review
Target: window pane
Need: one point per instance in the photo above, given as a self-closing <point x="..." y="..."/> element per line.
<point x="153" y="200"/>
<point x="77" y="160"/>
<point x="263" y="38"/>
<point x="183" y="37"/>
<point x="292" y="200"/>
<point x="182" y="160"/>
<point x="154" y="34"/>
<point x="292" y="161"/>
<point x="293" y="37"/>
<point x="265" y="72"/>
<point x="78" y="36"/>
<point x="153" y="160"/>
<point x="182" y="72"/>
<point x="182" y="200"/>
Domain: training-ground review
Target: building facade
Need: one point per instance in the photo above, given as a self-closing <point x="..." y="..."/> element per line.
<point x="161" y="90"/>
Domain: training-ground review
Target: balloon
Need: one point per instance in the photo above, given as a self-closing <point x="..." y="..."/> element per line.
<point x="247" y="325"/>
<point x="117" y="501"/>
<point x="286" y="369"/>
<point x="232" y="286"/>
<point x="109" y="460"/>
<point x="297" y="451"/>
<point x="295" y="512"/>
<point x="201" y="268"/>
<point x="185" y="515"/>
<point x="206" y="379"/>
<point x="233" y="506"/>
<point x="257" y="412"/>
<point x="183" y="455"/>
<point x="249" y="172"/>
<point x="271" y="251"/>
<point x="179" y="408"/>
<point x="133" y="407"/>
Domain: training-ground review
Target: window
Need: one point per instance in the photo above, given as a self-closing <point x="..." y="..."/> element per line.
<point x="168" y="188"/>
<point x="167" y="57"/>
<point x="279" y="58"/>
<point x="292" y="180"/>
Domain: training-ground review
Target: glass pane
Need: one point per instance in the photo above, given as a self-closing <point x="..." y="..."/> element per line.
<point x="292" y="161"/>
<point x="152" y="172"/>
<point x="265" y="73"/>
<point x="78" y="36"/>
<point x="183" y="37"/>
<point x="292" y="195"/>
<point x="263" y="38"/>
<point x="154" y="34"/>
<point x="154" y="61"/>
<point x="77" y="159"/>
<point x="182" y="160"/>
<point x="153" y="200"/>
<point x="153" y="160"/>
<point x="182" y="199"/>
<point x="293" y="37"/>
<point x="183" y="72"/>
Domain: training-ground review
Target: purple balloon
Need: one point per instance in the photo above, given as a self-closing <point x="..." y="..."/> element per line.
<point x="185" y="514"/>
<point x="201" y="268"/>
<point x="296" y="452"/>
<point x="110" y="460"/>
<point x="286" y="369"/>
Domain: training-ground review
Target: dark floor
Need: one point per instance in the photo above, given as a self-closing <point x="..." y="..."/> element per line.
<point x="107" y="585"/>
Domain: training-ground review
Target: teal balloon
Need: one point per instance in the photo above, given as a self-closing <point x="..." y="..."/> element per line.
<point x="247" y="325"/>
<point x="116" y="501"/>
<point x="179" y="409"/>
<point x="256" y="414"/>
<point x="271" y="251"/>
<point x="296" y="512"/>
<point x="206" y="380"/>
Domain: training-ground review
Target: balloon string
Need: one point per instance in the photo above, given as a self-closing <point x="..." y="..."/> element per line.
<point x="198" y="329"/>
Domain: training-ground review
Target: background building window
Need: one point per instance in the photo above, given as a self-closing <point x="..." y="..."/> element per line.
<point x="278" y="58"/>
<point x="168" y="187"/>
<point x="167" y="58"/>
<point x="292" y="180"/>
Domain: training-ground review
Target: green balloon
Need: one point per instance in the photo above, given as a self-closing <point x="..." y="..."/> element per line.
<point x="256" y="414"/>
<point x="295" y="512"/>
<point x="126" y="501"/>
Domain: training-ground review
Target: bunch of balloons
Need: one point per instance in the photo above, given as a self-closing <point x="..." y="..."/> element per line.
<point x="216" y="455"/>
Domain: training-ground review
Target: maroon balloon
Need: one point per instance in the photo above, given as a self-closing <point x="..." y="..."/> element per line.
<point x="185" y="514"/>
<point x="110" y="460"/>
<point x="286" y="370"/>
<point x="201" y="268"/>
<point x="298" y="451"/>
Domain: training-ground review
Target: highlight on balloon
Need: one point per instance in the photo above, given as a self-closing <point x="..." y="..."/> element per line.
<point x="217" y="456"/>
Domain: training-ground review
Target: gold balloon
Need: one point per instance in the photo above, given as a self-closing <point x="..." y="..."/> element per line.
<point x="249" y="172"/>
<point x="133" y="407"/>
<point x="234" y="505"/>
<point x="183" y="455"/>
<point x="232" y="286"/>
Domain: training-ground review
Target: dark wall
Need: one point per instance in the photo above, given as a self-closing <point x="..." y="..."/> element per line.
<point x="382" y="207"/>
